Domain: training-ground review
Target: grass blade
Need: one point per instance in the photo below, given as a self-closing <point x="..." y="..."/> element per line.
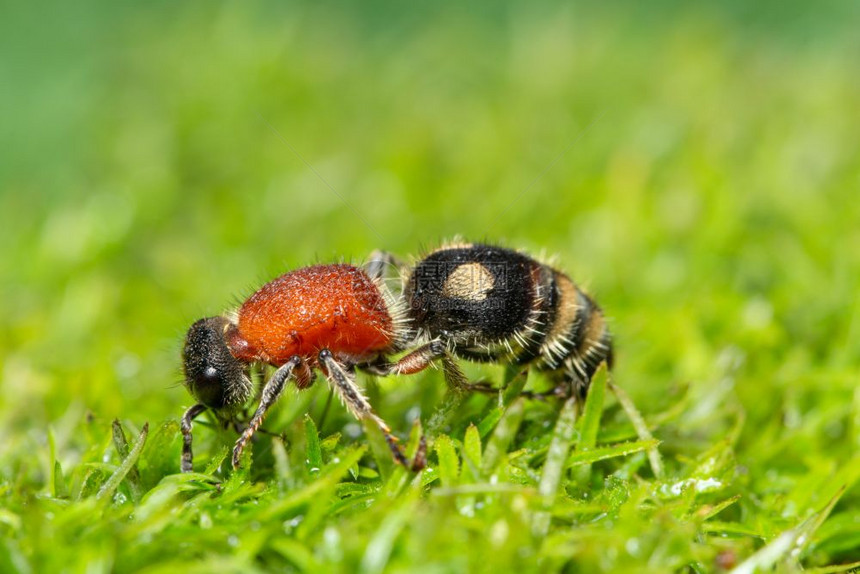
<point x="282" y="465"/>
<point x="327" y="480"/>
<point x="379" y="548"/>
<point x="593" y="410"/>
<point x="216" y="461"/>
<point x="602" y="453"/>
<point x="121" y="444"/>
<point x="472" y="450"/>
<point x="449" y="464"/>
<point x="789" y="542"/>
<point x="554" y="466"/>
<point x="515" y="380"/>
<point x="503" y="436"/>
<point x="834" y="569"/>
<point x="127" y="464"/>
<point x="490" y="421"/>
<point x="641" y="428"/>
<point x="313" y="459"/>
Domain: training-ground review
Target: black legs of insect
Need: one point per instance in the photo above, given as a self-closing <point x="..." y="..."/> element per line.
<point x="379" y="261"/>
<point x="187" y="455"/>
<point x="342" y="380"/>
<point x="271" y="393"/>
<point x="423" y="357"/>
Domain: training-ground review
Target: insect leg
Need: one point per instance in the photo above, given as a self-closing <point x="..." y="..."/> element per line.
<point x="270" y="394"/>
<point x="379" y="260"/>
<point x="412" y="362"/>
<point x="185" y="464"/>
<point x="421" y="358"/>
<point x="639" y="424"/>
<point x="343" y="381"/>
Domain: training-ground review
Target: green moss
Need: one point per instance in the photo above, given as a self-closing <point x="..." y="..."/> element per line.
<point x="695" y="168"/>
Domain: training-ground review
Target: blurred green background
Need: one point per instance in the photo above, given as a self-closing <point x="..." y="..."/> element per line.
<point x="695" y="166"/>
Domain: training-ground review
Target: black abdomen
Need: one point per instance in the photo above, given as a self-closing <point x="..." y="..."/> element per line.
<point x="494" y="304"/>
<point x="475" y="294"/>
<point x="578" y="340"/>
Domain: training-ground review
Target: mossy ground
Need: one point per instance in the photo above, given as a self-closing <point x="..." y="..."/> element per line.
<point x="695" y="167"/>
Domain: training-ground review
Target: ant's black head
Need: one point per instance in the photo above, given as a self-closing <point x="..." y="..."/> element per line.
<point x="212" y="374"/>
